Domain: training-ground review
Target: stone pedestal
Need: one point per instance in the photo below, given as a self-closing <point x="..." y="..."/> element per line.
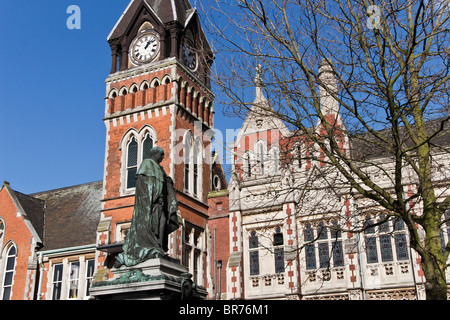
<point x="154" y="279"/>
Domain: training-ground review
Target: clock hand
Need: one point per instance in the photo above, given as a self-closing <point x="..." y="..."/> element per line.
<point x="148" y="43"/>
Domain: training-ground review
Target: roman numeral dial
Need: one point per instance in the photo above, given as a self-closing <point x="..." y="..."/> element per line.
<point x="145" y="47"/>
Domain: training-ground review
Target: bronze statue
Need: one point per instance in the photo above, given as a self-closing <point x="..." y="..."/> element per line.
<point x="154" y="216"/>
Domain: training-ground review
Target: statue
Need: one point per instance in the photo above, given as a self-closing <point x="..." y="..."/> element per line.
<point x="154" y="215"/>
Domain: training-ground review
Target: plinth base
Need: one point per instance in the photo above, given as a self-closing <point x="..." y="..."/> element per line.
<point x="154" y="279"/>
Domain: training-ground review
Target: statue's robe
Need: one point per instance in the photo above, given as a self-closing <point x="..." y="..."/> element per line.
<point x="154" y="216"/>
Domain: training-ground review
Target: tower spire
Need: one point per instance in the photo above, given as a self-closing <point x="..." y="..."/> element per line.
<point x="258" y="82"/>
<point x="328" y="85"/>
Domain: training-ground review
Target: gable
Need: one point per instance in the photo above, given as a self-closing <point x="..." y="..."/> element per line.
<point x="261" y="120"/>
<point x="160" y="11"/>
<point x="29" y="211"/>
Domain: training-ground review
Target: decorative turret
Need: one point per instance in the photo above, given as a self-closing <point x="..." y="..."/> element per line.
<point x="328" y="85"/>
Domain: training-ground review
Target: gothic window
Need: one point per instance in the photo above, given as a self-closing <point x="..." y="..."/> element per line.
<point x="371" y="241"/>
<point x="296" y="152"/>
<point x="322" y="246"/>
<point x="327" y="243"/>
<point x="197" y="163"/>
<point x="279" y="260"/>
<point x="278" y="243"/>
<point x="247" y="164"/>
<point x="10" y="265"/>
<point x="57" y="281"/>
<point x="74" y="275"/>
<point x="385" y="241"/>
<point x="309" y="233"/>
<point x="193" y="160"/>
<point x="275" y="155"/>
<point x="132" y="156"/>
<point x="254" y="254"/>
<point x="187" y="161"/>
<point x="386" y="248"/>
<point x="309" y="248"/>
<point x="371" y="250"/>
<point x="401" y="246"/>
<point x="147" y="146"/>
<point x="391" y="233"/>
<point x="261" y="158"/>
<point x="324" y="256"/>
<point x="299" y="156"/>
<point x="216" y="183"/>
<point x="310" y="257"/>
<point x="136" y="147"/>
<point x="2" y="231"/>
<point x="336" y="245"/>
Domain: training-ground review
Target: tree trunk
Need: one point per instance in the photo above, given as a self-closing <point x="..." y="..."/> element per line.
<point x="435" y="285"/>
<point x="433" y="262"/>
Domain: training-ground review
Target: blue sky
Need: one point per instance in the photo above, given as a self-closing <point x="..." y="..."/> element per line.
<point x="52" y="92"/>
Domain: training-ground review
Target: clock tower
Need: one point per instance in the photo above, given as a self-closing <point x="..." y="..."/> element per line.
<point x="158" y="94"/>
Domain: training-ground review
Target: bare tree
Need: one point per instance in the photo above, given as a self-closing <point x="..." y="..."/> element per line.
<point x="388" y="66"/>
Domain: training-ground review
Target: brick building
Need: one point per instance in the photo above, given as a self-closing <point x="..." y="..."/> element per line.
<point x="158" y="93"/>
<point x="257" y="227"/>
<point x="287" y="210"/>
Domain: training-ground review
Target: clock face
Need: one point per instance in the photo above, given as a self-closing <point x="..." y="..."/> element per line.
<point x="189" y="56"/>
<point x="144" y="48"/>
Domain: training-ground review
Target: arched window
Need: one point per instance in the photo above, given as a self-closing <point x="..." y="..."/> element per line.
<point x="132" y="157"/>
<point x="216" y="183"/>
<point x="278" y="250"/>
<point x="187" y="161"/>
<point x="8" y="275"/>
<point x="2" y="231"/>
<point x="336" y="245"/>
<point x="197" y="163"/>
<point x="247" y="167"/>
<point x="371" y="241"/>
<point x="275" y="155"/>
<point x="136" y="147"/>
<point x="254" y="253"/>
<point x="310" y="254"/>
<point x="324" y="254"/>
<point x="261" y="158"/>
<point x="381" y="240"/>
<point x="385" y="241"/>
<point x="401" y="245"/>
<point x="147" y="146"/>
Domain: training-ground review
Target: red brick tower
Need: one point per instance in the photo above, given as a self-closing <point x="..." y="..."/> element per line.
<point x="158" y="94"/>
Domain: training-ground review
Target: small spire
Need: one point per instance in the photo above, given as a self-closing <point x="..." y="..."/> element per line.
<point x="258" y="81"/>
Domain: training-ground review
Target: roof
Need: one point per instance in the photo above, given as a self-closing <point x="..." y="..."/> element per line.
<point x="34" y="210"/>
<point x="30" y="210"/>
<point x="72" y="215"/>
<point x="165" y="10"/>
<point x="365" y="146"/>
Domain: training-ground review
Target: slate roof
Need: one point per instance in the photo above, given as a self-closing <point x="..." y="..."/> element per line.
<point x="364" y="146"/>
<point x="34" y="209"/>
<point x="165" y="10"/>
<point x="71" y="214"/>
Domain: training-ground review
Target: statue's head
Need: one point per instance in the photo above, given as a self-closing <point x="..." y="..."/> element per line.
<point x="157" y="154"/>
